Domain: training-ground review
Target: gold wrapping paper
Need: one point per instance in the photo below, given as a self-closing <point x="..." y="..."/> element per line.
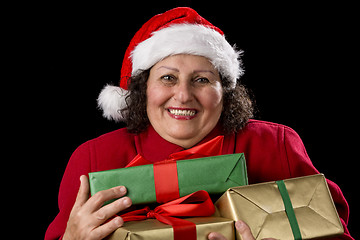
<point x="152" y="229"/>
<point x="262" y="208"/>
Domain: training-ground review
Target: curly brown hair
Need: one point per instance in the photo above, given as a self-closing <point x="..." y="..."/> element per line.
<point x="237" y="105"/>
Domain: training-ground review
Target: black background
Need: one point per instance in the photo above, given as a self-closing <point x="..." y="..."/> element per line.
<point x="299" y="60"/>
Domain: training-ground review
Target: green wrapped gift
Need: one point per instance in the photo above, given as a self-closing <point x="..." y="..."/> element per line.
<point x="212" y="174"/>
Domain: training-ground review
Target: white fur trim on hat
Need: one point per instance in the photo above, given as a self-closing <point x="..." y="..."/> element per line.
<point x="112" y="100"/>
<point x="192" y="39"/>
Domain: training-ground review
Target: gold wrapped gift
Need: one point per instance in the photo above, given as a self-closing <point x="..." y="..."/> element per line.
<point x="152" y="229"/>
<point x="262" y="207"/>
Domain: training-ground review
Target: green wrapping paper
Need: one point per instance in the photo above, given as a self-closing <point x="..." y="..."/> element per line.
<point x="212" y="174"/>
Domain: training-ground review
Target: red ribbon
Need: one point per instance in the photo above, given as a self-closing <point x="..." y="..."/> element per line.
<point x="197" y="204"/>
<point x="166" y="181"/>
<point x="210" y="148"/>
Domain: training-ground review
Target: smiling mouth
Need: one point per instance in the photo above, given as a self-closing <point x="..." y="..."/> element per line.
<point x="182" y="113"/>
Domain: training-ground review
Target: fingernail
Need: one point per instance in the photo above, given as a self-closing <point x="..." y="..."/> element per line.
<point x="81" y="178"/>
<point x="239" y="224"/>
<point x="127" y="202"/>
<point x="122" y="189"/>
<point x="118" y="221"/>
<point x="212" y="236"/>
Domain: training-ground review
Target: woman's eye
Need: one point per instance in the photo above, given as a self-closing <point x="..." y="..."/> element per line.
<point x="202" y="80"/>
<point x="167" y="78"/>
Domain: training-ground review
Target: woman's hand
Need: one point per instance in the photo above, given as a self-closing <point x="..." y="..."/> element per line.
<point x="242" y="228"/>
<point x="87" y="218"/>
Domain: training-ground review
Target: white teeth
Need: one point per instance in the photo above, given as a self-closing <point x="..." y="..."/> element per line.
<point x="182" y="112"/>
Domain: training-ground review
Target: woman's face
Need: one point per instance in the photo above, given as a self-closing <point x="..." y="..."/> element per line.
<point x="184" y="98"/>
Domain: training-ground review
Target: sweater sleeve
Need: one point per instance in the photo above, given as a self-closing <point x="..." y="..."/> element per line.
<point x="79" y="164"/>
<point x="300" y="165"/>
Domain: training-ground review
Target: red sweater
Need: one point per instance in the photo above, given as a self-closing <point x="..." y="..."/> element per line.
<point x="272" y="152"/>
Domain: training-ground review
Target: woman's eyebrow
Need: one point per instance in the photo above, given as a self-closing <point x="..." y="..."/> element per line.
<point x="177" y="70"/>
<point x="170" y="68"/>
<point x="209" y="71"/>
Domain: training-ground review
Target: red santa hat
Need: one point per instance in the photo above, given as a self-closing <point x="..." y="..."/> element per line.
<point x="178" y="31"/>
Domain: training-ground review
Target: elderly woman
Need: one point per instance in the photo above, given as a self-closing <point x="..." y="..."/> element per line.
<point x="179" y="88"/>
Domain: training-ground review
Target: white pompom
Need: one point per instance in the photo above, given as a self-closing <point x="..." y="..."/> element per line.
<point x="112" y="100"/>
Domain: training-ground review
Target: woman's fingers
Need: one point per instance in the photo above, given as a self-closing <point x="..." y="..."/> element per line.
<point x="111" y="209"/>
<point x="241" y="227"/>
<point x="83" y="193"/>
<point x="216" y="236"/>
<point x="244" y="230"/>
<point x="107" y="228"/>
<point x="89" y="219"/>
<point x="98" y="199"/>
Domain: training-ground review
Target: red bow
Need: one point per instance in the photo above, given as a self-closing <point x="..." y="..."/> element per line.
<point x="210" y="148"/>
<point x="197" y="204"/>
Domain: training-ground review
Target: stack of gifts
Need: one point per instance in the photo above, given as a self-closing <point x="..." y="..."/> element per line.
<point x="300" y="208"/>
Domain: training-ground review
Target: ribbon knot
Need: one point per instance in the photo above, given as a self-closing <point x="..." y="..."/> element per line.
<point x="197" y="204"/>
<point x="150" y="214"/>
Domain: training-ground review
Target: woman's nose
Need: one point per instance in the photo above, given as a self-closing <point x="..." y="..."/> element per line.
<point x="183" y="92"/>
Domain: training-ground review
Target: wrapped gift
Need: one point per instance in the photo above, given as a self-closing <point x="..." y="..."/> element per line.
<point x="298" y="208"/>
<point x="170" y="222"/>
<point x="152" y="229"/>
<point x="168" y="180"/>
